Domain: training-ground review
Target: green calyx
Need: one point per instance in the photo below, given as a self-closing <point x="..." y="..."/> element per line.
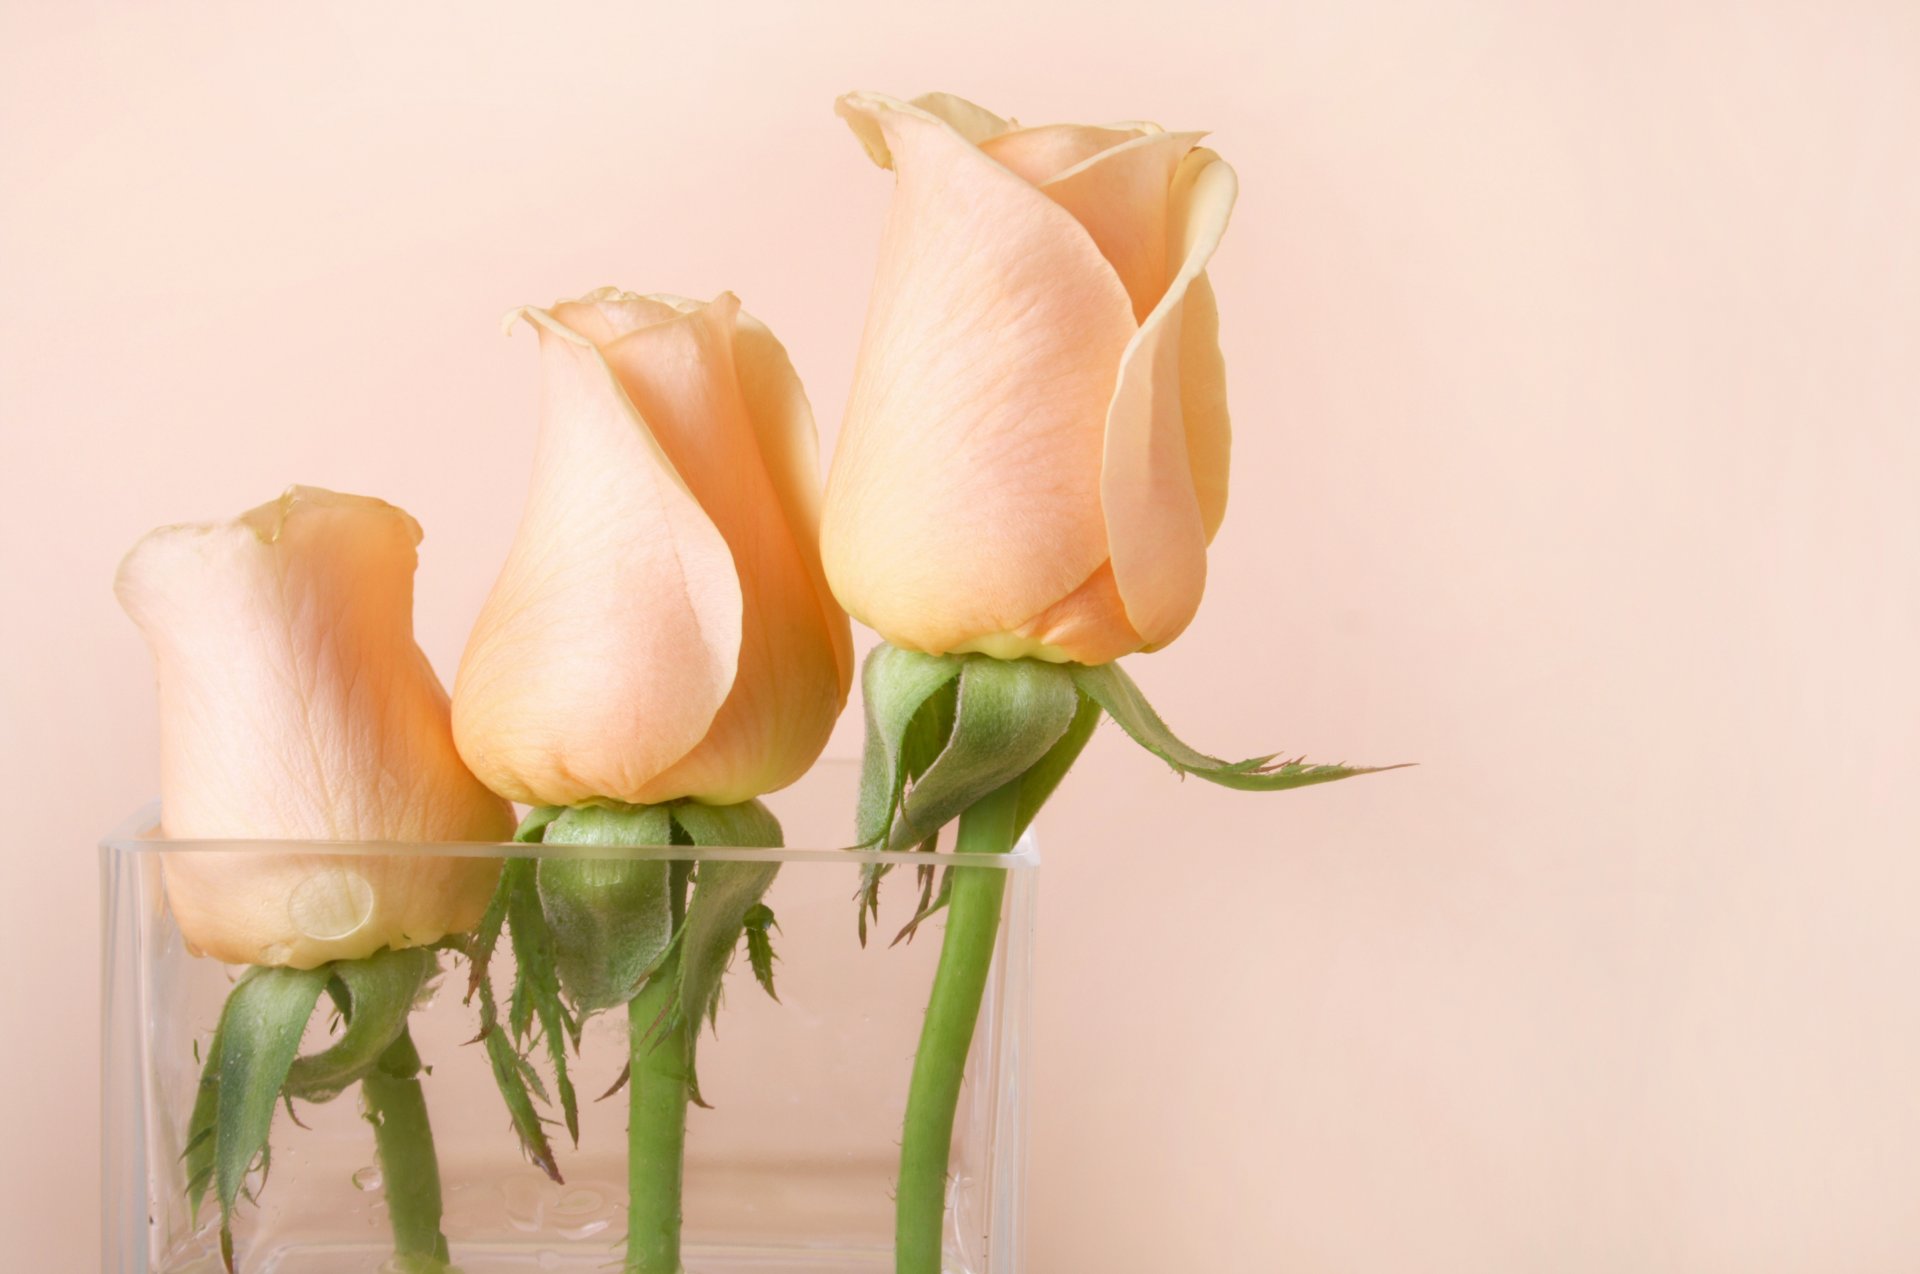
<point x="535" y="995"/>
<point x="986" y="741"/>
<point x="945" y="731"/>
<point x="252" y="1064"/>
<point x="615" y="922"/>
<point x="590" y="931"/>
<point x="610" y="918"/>
<point x="373" y="996"/>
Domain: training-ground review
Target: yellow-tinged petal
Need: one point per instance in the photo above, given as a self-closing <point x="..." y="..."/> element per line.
<point x="1043" y="153"/>
<point x="795" y="656"/>
<point x="1155" y="524"/>
<point x="790" y="447"/>
<point x="1122" y="197"/>
<point x="294" y="704"/>
<point x="973" y="122"/>
<point x="612" y="637"/>
<point x="1087" y="626"/>
<point x="964" y="496"/>
<point x="1203" y="402"/>
<point x="684" y="644"/>
<point x="604" y="315"/>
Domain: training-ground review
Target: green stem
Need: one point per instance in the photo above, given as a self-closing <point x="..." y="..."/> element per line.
<point x="953" y="1009"/>
<point x="397" y="1108"/>
<point x="659" y="1087"/>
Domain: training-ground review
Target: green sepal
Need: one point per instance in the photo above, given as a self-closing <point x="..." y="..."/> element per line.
<point x="532" y="946"/>
<point x="723" y="895"/>
<point x="748" y="825"/>
<point x="926" y="734"/>
<point x="260" y="1030"/>
<point x="379" y="992"/>
<point x="479" y="948"/>
<point x="1038" y="783"/>
<point x="533" y="828"/>
<point x="1008" y="716"/>
<point x="760" y="955"/>
<point x="945" y="730"/>
<point x="931" y="902"/>
<point x="202" y="1124"/>
<point x="517" y="1081"/>
<point x="514" y="1076"/>
<point x="536" y="986"/>
<point x="896" y="684"/>
<point x="611" y="919"/>
<point x="1122" y="700"/>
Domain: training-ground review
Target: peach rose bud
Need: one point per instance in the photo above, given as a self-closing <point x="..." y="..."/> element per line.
<point x="662" y="627"/>
<point x="1034" y="458"/>
<point x="294" y="704"/>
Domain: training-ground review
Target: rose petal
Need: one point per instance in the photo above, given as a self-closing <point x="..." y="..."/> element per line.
<point x="964" y="496"/>
<point x="1203" y="402"/>
<point x="1155" y="525"/>
<point x="973" y="122"/>
<point x="1087" y="626"/>
<point x="794" y="663"/>
<point x="606" y="314"/>
<point x="783" y="422"/>
<point x="1121" y="197"/>
<point x="612" y="637"/>
<point x="294" y="704"/>
<point x="303" y="910"/>
<point x="1042" y="153"/>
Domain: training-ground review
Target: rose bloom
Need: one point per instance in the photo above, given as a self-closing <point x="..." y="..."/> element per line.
<point x="662" y="627"/>
<point x="1034" y="457"/>
<point x="294" y="704"/>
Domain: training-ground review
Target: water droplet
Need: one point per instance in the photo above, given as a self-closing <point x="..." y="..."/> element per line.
<point x="331" y="903"/>
<point x="526" y="1203"/>
<point x="578" y="1202"/>
<point x="368" y="1178"/>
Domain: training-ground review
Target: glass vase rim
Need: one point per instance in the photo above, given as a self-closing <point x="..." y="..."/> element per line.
<point x="139" y="833"/>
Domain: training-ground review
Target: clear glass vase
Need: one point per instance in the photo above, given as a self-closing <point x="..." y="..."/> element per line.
<point x="791" y="1169"/>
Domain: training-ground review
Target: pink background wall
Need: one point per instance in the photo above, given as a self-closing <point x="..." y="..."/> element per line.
<point x="1574" y="362"/>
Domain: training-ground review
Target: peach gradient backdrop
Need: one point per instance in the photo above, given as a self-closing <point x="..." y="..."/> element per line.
<point x="1575" y="372"/>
